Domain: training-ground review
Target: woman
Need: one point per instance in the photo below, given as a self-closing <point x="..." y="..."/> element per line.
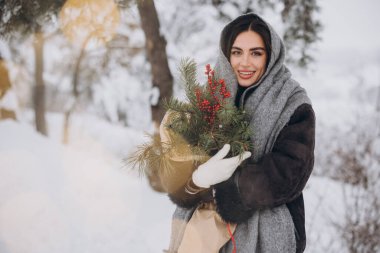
<point x="263" y="196"/>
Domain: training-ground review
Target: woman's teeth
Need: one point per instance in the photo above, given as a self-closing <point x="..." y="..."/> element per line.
<point x="246" y="74"/>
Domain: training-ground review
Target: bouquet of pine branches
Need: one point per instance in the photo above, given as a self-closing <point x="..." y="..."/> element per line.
<point x="192" y="131"/>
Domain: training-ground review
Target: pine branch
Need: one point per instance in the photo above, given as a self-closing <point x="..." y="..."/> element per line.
<point x="188" y="71"/>
<point x="176" y="105"/>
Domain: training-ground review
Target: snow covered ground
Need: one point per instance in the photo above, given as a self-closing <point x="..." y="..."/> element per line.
<point x="76" y="198"/>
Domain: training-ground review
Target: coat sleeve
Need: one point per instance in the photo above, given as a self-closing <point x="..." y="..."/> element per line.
<point x="278" y="178"/>
<point x="184" y="199"/>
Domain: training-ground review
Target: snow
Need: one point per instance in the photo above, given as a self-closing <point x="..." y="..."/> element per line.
<point x="75" y="198"/>
<point x="81" y="197"/>
<point x="324" y="206"/>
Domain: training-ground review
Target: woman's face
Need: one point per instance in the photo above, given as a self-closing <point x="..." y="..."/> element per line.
<point x="248" y="58"/>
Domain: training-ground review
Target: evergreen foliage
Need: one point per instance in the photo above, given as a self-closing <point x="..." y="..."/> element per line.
<point x="301" y="30"/>
<point x="193" y="130"/>
<point x="26" y="16"/>
<point x="208" y="119"/>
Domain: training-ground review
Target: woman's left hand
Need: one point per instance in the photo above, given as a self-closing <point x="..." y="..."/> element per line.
<point x="218" y="168"/>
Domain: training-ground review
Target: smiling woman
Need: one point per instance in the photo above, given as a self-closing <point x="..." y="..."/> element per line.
<point x="259" y="202"/>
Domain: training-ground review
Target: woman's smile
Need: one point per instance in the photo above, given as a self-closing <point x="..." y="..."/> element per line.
<point x="246" y="74"/>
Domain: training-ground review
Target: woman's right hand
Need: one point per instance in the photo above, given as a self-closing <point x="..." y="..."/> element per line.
<point x="218" y="169"/>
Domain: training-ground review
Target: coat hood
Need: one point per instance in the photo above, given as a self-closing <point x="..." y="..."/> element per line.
<point x="277" y="56"/>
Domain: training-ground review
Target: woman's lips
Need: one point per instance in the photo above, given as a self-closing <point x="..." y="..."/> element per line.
<point x="246" y="74"/>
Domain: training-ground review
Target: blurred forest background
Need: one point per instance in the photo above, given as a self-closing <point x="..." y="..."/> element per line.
<point x="103" y="66"/>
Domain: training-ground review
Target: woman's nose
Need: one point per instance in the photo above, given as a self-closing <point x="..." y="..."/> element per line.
<point x="245" y="60"/>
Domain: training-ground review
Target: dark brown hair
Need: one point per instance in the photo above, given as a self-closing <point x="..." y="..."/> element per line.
<point x="247" y="22"/>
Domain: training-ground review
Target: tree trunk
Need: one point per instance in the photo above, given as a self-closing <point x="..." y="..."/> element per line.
<point x="156" y="52"/>
<point x="5" y="83"/>
<point x="75" y="92"/>
<point x="39" y="88"/>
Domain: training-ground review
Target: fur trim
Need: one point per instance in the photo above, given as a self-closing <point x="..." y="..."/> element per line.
<point x="228" y="202"/>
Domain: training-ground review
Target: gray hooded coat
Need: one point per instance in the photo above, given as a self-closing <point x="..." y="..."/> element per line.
<point x="264" y="197"/>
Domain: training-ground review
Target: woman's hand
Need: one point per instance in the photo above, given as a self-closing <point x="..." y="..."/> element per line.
<point x="217" y="169"/>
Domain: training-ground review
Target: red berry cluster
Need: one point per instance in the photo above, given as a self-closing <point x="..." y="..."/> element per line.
<point x="218" y="91"/>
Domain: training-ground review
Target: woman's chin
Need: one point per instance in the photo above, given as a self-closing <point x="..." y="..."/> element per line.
<point x="246" y="82"/>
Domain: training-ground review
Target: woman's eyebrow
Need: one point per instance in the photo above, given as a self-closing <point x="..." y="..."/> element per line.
<point x="257" y="48"/>
<point x="251" y="49"/>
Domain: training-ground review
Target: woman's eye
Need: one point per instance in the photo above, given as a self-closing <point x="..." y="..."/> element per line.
<point x="256" y="53"/>
<point x="235" y="53"/>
